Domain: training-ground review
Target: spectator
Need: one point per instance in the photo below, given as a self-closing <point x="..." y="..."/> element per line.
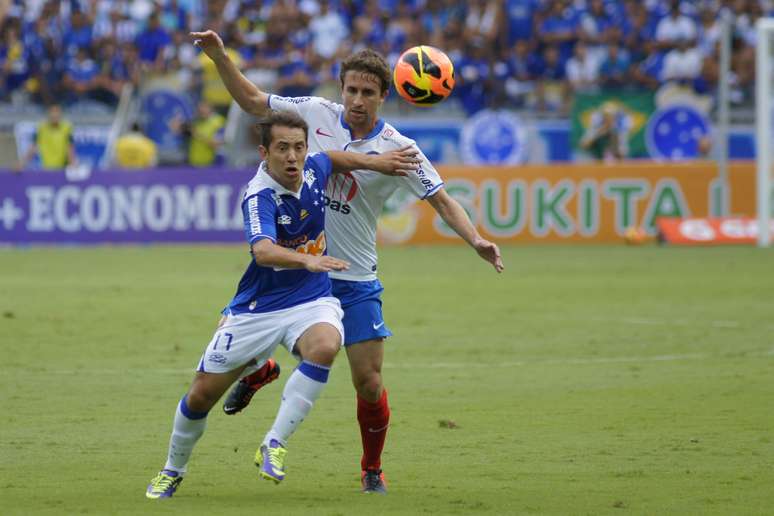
<point x="647" y="74"/>
<point x="582" y="70"/>
<point x="675" y="28"/>
<point x="683" y="64"/>
<point x="552" y="89"/>
<point x="53" y="142"/>
<point x="14" y="62"/>
<point x="614" y="72"/>
<point x="523" y="66"/>
<point x="482" y="20"/>
<point x="296" y="77"/>
<point x="214" y="92"/>
<point x="81" y="76"/>
<point x="559" y="29"/>
<point x="203" y="135"/>
<point x="472" y="77"/>
<point x="607" y="136"/>
<point x="151" y="43"/>
<point x="79" y="34"/>
<point x="328" y="31"/>
<point x="136" y="151"/>
<point x="594" y="28"/>
<point x="521" y="15"/>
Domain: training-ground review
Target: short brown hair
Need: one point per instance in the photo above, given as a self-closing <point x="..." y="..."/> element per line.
<point x="367" y="61"/>
<point x="282" y="119"/>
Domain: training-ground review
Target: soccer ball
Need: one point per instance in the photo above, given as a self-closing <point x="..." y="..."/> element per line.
<point x="635" y="236"/>
<point x="423" y="75"/>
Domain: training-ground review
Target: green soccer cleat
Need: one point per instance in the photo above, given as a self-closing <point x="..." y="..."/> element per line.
<point x="164" y="484"/>
<point x="271" y="461"/>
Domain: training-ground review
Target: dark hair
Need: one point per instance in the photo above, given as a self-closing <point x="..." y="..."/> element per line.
<point x="282" y="119"/>
<point x="367" y="61"/>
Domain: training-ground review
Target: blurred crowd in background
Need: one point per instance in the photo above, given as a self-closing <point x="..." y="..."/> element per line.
<point x="521" y="54"/>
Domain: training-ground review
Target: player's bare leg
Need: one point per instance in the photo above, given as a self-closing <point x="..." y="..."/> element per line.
<point x="189" y="424"/>
<point x="317" y="347"/>
<point x="373" y="411"/>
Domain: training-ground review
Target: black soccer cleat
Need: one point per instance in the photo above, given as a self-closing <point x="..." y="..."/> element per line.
<point x="243" y="391"/>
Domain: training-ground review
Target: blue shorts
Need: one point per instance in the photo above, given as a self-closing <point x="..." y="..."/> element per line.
<point x="362" y="305"/>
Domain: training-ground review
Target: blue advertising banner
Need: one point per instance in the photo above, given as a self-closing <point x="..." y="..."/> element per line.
<point x="163" y="205"/>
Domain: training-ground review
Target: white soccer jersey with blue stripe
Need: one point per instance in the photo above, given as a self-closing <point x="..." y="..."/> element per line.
<point x="355" y="199"/>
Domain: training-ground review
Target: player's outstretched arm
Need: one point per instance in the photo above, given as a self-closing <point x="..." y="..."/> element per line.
<point x="268" y="254"/>
<point x="399" y="162"/>
<point x="454" y="215"/>
<point x="249" y="97"/>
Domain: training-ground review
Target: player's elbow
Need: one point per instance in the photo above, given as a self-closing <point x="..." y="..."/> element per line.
<point x="261" y="251"/>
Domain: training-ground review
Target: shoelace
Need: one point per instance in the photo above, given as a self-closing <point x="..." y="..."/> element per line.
<point x="162" y="482"/>
<point x="372" y="479"/>
<point x="276" y="457"/>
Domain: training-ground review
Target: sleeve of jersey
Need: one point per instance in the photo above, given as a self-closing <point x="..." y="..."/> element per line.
<point x="426" y="181"/>
<point x="259" y="215"/>
<point x="322" y="165"/>
<point x="301" y="106"/>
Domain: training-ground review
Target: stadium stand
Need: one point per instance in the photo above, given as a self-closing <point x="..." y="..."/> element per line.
<point x="526" y="55"/>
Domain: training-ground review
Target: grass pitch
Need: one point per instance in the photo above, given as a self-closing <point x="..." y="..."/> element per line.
<point x="584" y="380"/>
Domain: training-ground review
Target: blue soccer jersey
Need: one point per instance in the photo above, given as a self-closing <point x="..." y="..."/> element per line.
<point x="294" y="220"/>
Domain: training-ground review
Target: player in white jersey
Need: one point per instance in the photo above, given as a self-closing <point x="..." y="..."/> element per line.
<point x="355" y="201"/>
<point x="284" y="296"/>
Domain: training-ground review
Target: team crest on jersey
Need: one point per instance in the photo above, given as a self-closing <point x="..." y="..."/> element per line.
<point x="309" y="178"/>
<point x="284" y="219"/>
<point x="304" y="214"/>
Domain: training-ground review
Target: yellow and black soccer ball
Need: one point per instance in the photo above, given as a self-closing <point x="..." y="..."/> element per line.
<point x="423" y="75"/>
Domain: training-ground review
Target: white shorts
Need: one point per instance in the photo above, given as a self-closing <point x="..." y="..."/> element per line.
<point x="252" y="338"/>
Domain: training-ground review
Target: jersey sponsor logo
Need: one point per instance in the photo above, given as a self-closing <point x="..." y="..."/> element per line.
<point x="342" y="188"/>
<point x="252" y="212"/>
<point x="314" y="247"/>
<point x="285" y="219"/>
<point x="303" y="244"/>
<point x="321" y="133"/>
<point x="304" y="214"/>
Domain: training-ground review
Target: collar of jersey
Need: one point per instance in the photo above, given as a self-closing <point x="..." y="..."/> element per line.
<point x="274" y="185"/>
<point x="376" y="130"/>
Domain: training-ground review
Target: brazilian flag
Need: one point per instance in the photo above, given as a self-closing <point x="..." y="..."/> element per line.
<point x="635" y="107"/>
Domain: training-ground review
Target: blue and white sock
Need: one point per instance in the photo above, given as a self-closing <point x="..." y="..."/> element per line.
<point x="301" y="391"/>
<point x="186" y="431"/>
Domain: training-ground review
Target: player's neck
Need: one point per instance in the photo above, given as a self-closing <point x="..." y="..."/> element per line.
<point x="360" y="131"/>
<point x="284" y="182"/>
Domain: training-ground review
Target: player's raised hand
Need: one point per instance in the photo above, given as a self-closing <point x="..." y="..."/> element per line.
<point x="399" y="162"/>
<point x="491" y="253"/>
<point x="326" y="264"/>
<point x="209" y="42"/>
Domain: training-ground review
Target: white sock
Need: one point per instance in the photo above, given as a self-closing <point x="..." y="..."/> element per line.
<point x="301" y="391"/>
<point x="186" y="431"/>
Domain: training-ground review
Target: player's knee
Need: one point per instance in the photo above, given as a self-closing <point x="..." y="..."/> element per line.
<point x="200" y="399"/>
<point x="322" y="351"/>
<point x="369" y="385"/>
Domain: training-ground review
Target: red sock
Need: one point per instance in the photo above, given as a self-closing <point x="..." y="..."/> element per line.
<point x="374" y="418"/>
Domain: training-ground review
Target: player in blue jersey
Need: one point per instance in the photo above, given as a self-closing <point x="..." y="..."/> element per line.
<point x="355" y="201"/>
<point x="284" y="296"/>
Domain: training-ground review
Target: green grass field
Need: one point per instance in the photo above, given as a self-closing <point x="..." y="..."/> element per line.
<point x="584" y="380"/>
